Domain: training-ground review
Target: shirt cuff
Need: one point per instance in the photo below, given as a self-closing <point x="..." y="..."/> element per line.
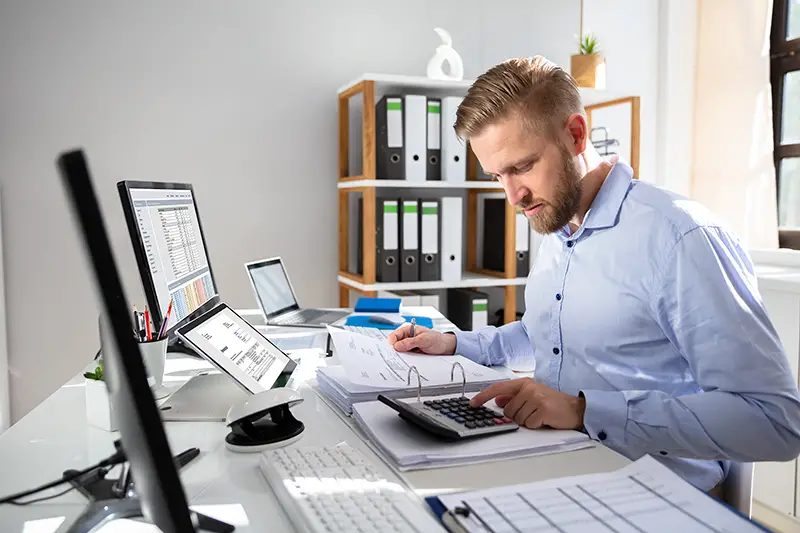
<point x="468" y="344"/>
<point x="606" y="415"/>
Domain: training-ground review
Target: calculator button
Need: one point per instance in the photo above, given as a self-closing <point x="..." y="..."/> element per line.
<point x="479" y="423"/>
<point x="489" y="422"/>
<point x="498" y="421"/>
<point x="444" y="411"/>
<point x="507" y="420"/>
<point x="470" y="424"/>
<point x="452" y="415"/>
<point x="460" y="420"/>
<point x="428" y="402"/>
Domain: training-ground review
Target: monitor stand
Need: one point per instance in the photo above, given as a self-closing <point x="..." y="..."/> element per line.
<point x="99" y="512"/>
<point x="204" y="397"/>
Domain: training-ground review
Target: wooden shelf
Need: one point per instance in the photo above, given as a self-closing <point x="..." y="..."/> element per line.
<point x="403" y="184"/>
<point x="468" y="281"/>
<point x="399" y="82"/>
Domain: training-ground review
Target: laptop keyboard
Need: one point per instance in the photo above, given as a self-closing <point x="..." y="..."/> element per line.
<point x="307" y="316"/>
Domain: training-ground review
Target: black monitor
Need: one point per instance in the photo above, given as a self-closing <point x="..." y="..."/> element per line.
<point x="161" y="498"/>
<point x="170" y="249"/>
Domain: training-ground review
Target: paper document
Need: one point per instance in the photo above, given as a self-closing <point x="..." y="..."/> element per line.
<point x="373" y="362"/>
<point x="412" y="448"/>
<point x="643" y="497"/>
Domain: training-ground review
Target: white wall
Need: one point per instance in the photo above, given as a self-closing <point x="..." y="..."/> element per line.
<point x="627" y="32"/>
<point x="238" y="98"/>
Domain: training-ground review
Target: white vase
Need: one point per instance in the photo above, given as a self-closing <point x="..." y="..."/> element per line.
<point x="99" y="411"/>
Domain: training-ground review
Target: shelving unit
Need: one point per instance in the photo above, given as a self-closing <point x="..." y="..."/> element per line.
<point x="370" y="88"/>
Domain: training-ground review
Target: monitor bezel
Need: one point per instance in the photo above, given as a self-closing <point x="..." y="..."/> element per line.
<point x="124" y="188"/>
<point x="161" y="492"/>
<point x="254" y="265"/>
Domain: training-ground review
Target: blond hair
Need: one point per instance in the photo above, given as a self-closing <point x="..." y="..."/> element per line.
<point x="536" y="89"/>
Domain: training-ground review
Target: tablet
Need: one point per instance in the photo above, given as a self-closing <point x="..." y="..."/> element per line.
<point x="236" y="348"/>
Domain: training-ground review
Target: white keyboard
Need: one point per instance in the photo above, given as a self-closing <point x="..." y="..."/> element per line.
<point x="333" y="489"/>
<point x="375" y="333"/>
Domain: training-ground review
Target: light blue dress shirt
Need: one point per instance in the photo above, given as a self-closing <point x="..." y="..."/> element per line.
<point x="652" y="311"/>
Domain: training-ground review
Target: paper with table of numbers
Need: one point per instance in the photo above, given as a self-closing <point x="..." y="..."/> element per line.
<point x="643" y="497"/>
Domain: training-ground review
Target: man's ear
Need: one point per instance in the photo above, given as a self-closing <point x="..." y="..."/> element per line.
<point x="578" y="132"/>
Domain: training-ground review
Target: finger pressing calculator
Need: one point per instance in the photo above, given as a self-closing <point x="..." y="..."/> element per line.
<point x="451" y="418"/>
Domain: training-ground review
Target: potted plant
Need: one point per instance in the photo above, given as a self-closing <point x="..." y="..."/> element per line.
<point x="589" y="66"/>
<point x="99" y="411"/>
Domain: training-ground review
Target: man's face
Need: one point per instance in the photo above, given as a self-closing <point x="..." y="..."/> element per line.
<point x="539" y="175"/>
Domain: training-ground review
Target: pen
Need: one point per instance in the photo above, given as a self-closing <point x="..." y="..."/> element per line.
<point x="136" y="324"/>
<point x="413" y="326"/>
<point x="163" y="328"/>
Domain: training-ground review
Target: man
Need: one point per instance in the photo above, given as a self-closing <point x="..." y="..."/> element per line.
<point x="641" y="311"/>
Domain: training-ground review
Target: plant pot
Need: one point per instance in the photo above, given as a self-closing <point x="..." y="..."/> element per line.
<point x="99" y="411"/>
<point x="589" y="70"/>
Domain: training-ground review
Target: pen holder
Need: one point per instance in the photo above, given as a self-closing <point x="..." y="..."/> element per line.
<point x="154" y="355"/>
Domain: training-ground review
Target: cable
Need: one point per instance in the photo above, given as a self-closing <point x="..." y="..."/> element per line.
<point x="43" y="498"/>
<point x="116" y="458"/>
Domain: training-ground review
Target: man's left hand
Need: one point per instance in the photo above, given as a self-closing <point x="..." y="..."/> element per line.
<point x="534" y="405"/>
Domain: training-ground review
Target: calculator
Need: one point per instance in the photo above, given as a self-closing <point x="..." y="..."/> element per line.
<point x="451" y="418"/>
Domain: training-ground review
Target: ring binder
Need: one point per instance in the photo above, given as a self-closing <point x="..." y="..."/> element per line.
<point x="463" y="377"/>
<point x="419" y="381"/>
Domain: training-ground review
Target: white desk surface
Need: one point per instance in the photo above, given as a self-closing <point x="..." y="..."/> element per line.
<point x="55" y="437"/>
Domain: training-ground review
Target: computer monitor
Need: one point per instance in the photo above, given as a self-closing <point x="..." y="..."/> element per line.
<point x="170" y="249"/>
<point x="161" y="496"/>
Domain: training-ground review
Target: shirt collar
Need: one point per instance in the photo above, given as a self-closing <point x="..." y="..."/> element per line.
<point x="607" y="204"/>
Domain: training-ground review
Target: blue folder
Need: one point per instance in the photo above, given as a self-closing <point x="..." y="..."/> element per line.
<point x="364" y="322"/>
<point x="378" y="305"/>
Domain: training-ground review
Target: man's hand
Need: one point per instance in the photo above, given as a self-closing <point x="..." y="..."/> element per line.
<point x="534" y="405"/>
<point x="425" y="340"/>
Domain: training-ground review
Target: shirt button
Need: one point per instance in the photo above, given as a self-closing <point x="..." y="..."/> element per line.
<point x="558" y="296"/>
<point x="570" y="243"/>
<point x="601" y="435"/>
<point x="555" y="351"/>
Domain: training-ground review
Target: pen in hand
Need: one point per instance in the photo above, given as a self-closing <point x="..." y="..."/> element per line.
<point x="413" y="326"/>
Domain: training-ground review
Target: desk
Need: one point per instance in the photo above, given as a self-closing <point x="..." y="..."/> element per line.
<point x="55" y="436"/>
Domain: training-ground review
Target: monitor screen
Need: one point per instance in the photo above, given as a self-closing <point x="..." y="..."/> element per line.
<point x="173" y="262"/>
<point x="272" y="287"/>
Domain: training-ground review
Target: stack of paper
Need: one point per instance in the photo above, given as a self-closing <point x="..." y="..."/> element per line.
<point x="371" y="367"/>
<point x="412" y="448"/>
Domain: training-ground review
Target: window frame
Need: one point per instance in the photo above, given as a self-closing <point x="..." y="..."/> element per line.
<point x="784" y="58"/>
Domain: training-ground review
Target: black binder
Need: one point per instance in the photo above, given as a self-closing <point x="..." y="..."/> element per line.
<point x="409" y="241"/>
<point x="387" y="235"/>
<point x="462" y="309"/>
<point x="389" y="139"/>
<point x="494" y="231"/>
<point x="434" y="139"/>
<point x="430" y="238"/>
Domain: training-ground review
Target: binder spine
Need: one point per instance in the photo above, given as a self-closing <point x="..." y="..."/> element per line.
<point x="434" y="126"/>
<point x="389" y="143"/>
<point x="430" y="233"/>
<point x="409" y="269"/>
<point x="387" y="248"/>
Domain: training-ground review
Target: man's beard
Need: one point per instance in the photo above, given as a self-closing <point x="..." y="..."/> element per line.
<point x="553" y="216"/>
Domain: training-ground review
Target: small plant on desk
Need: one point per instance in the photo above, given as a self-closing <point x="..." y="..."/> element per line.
<point x="97" y="375"/>
<point x="99" y="410"/>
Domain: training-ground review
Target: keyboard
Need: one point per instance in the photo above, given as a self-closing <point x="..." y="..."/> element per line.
<point x="337" y="489"/>
<point x="375" y="333"/>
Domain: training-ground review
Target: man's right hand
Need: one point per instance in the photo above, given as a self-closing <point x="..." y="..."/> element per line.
<point x="425" y="340"/>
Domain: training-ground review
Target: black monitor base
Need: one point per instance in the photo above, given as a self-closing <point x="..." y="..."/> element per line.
<point x="94" y="486"/>
<point x="99" y="512"/>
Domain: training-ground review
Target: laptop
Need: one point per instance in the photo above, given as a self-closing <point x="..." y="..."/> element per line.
<point x="278" y="301"/>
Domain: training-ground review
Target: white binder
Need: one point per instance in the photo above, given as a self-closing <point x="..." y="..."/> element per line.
<point x="452" y="237"/>
<point x="416" y="130"/>
<point x="480" y="313"/>
<point x="454" y="151"/>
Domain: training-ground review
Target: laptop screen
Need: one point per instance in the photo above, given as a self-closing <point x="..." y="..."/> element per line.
<point x="272" y="287"/>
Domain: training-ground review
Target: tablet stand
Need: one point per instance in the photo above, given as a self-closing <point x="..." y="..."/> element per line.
<point x="204" y="397"/>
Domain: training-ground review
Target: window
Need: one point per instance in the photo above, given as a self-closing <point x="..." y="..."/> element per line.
<point x="785" y="74"/>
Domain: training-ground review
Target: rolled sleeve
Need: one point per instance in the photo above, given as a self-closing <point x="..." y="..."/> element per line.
<point x="606" y="415"/>
<point x="494" y="346"/>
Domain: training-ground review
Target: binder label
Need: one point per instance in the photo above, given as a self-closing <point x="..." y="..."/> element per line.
<point x="430" y="228"/>
<point x="480" y="305"/>
<point x="394" y="122"/>
<point x="390" y="225"/>
<point x="523" y="242"/>
<point x="410" y="227"/>
<point x="434" y="124"/>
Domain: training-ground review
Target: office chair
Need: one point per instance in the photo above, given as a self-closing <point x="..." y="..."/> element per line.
<point x="737" y="489"/>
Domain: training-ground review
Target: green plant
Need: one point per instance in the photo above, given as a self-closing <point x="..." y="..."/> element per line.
<point x="97" y="374"/>
<point x="589" y="44"/>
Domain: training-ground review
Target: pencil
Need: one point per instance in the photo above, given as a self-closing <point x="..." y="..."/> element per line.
<point x="147" y="323"/>
<point x="163" y="329"/>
